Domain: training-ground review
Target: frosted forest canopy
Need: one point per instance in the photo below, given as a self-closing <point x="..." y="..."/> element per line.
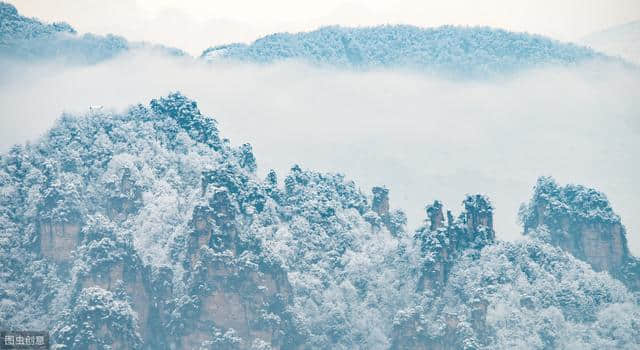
<point x="140" y="189"/>
<point x="147" y="228"/>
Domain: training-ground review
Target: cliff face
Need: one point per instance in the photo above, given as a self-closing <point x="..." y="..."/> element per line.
<point x="146" y="230"/>
<point x="441" y="245"/>
<point x="108" y="262"/>
<point x="442" y="242"/>
<point x="217" y="287"/>
<point x="234" y="294"/>
<point x="380" y="214"/>
<point x="58" y="239"/>
<point x="478" y="293"/>
<point x="581" y="221"/>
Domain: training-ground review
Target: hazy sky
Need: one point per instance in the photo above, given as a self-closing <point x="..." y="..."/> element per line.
<point x="194" y="25"/>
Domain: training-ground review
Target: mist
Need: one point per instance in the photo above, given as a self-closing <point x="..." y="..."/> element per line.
<point x="423" y="137"/>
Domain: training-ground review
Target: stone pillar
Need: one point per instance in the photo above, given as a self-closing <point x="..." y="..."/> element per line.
<point x="434" y="213"/>
<point x="380" y="203"/>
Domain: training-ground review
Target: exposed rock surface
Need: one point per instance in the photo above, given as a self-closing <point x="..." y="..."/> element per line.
<point x="580" y="220"/>
<point x="234" y="295"/>
<point x="147" y="230"/>
<point x="58" y="239"/>
<point x="441" y="244"/>
<point x="228" y="294"/>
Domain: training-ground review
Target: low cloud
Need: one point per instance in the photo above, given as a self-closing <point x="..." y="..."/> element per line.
<point x="423" y="137"/>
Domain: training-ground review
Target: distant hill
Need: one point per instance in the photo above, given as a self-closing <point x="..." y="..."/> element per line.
<point x="464" y="50"/>
<point x="23" y="38"/>
<point x="622" y="40"/>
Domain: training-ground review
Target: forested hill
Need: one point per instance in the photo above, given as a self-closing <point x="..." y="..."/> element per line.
<point x="463" y="50"/>
<point x="148" y="230"/>
<point x="28" y="39"/>
<point x="467" y="52"/>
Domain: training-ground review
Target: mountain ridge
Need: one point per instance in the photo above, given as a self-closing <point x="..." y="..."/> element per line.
<point x="465" y="52"/>
<point x="453" y="49"/>
<point x="146" y="229"/>
<point x="25" y="39"/>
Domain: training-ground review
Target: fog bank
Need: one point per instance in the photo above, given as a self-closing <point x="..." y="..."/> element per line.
<point x="423" y="137"/>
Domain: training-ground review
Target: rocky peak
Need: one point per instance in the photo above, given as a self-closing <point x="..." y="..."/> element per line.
<point x="238" y="299"/>
<point x="380" y="203"/>
<point x="434" y="215"/>
<point x="580" y="220"/>
<point x="478" y="215"/>
<point x="186" y="113"/>
<point x="380" y="215"/>
<point x="440" y="244"/>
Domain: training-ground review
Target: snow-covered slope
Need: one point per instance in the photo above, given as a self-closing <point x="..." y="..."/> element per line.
<point x="146" y="229"/>
<point x="27" y="39"/>
<point x="462" y="51"/>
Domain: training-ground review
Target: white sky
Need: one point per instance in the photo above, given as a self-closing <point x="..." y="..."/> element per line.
<point x="194" y="25"/>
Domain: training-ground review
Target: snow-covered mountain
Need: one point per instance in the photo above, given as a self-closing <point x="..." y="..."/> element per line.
<point x="462" y="51"/>
<point x="622" y="41"/>
<point x="28" y="39"/>
<point x="146" y="229"/>
<point x="468" y="51"/>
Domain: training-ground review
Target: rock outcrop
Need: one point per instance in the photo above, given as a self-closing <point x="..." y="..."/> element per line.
<point x="580" y="220"/>
<point x="58" y="239"/>
<point x="230" y="294"/>
<point x="380" y="203"/>
<point x="182" y="247"/>
<point x="380" y="214"/>
<point x="441" y="241"/>
<point x="240" y="299"/>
